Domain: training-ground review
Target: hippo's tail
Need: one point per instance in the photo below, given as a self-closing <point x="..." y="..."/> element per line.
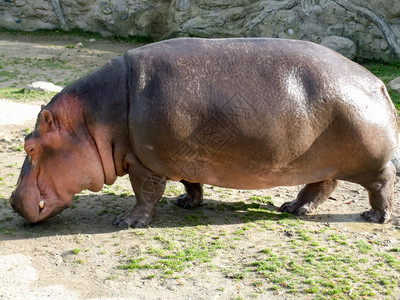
<point x="396" y="156"/>
<point x="387" y="96"/>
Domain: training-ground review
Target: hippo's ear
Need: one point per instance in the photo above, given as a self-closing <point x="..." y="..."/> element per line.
<point x="46" y="122"/>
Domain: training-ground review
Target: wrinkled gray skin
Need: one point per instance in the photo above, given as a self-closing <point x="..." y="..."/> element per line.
<point x="235" y="113"/>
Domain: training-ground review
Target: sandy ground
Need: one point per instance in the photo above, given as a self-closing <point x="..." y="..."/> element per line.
<point x="78" y="254"/>
<point x="25" y="113"/>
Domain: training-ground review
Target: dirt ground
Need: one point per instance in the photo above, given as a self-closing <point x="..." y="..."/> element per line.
<point x="79" y="253"/>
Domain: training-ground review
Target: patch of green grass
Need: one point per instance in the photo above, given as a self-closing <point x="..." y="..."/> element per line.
<point x="135" y="264"/>
<point x="386" y="71"/>
<point x="363" y="246"/>
<point x="170" y="261"/>
<point x="339" y="274"/>
<point x="23" y="95"/>
<point x="7" y="231"/>
<point x="103" y="212"/>
<point x="289" y="220"/>
<point x="192" y="218"/>
<point x="304" y="235"/>
<point x="263" y="199"/>
<point x="340" y="239"/>
<point x="19" y="148"/>
<point x="392" y="260"/>
<point x="142" y="39"/>
<point x="52" y="63"/>
<point x="6" y="75"/>
<point x="173" y="252"/>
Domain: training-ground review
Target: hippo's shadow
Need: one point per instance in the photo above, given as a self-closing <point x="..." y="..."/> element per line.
<point x="95" y="214"/>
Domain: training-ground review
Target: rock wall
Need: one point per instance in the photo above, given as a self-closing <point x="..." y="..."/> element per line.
<point x="373" y="26"/>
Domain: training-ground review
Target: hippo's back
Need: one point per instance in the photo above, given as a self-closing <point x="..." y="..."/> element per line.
<point x="263" y="107"/>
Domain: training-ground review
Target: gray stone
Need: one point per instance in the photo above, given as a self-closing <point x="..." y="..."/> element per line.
<point x="107" y="10"/>
<point x="395" y="85"/>
<point x="20" y="2"/>
<point x="343" y="45"/>
<point x="124" y="16"/>
<point x="182" y="5"/>
<point x="44" y="86"/>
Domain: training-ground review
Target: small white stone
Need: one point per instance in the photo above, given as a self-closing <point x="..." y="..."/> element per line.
<point x="44" y="86"/>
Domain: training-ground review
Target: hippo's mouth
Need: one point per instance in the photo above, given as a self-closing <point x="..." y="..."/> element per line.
<point x="42" y="208"/>
<point x="36" y="210"/>
<point x="50" y="207"/>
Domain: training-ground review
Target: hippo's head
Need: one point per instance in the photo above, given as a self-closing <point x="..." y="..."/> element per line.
<point x="62" y="160"/>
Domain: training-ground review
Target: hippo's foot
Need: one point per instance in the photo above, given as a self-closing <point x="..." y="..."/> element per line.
<point x="187" y="201"/>
<point x="380" y="187"/>
<point x="376" y="216"/>
<point x="310" y="197"/>
<point x="136" y="217"/>
<point x="193" y="196"/>
<point x="294" y="207"/>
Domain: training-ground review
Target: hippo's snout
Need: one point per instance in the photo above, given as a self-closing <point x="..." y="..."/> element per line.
<point x="25" y="204"/>
<point x="25" y="198"/>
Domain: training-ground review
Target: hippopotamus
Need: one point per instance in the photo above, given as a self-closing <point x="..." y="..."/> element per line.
<point x="244" y="113"/>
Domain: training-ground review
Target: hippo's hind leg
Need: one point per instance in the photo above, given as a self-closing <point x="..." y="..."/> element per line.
<point x="380" y="187"/>
<point x="193" y="196"/>
<point x="148" y="188"/>
<point x="310" y="197"/>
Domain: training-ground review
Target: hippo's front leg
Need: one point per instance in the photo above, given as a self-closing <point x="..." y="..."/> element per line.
<point x="148" y="188"/>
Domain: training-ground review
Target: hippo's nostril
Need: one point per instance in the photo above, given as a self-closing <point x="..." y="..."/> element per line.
<point x="12" y="198"/>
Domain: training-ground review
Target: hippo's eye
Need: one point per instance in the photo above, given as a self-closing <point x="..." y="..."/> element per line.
<point x="30" y="147"/>
<point x="31" y="151"/>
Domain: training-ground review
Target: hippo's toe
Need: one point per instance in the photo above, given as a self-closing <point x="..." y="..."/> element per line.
<point x="134" y="224"/>
<point x="121" y="223"/>
<point x="301" y="211"/>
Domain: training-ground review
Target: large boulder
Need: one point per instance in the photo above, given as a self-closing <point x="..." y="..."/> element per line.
<point x="395" y="85"/>
<point x="342" y="45"/>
